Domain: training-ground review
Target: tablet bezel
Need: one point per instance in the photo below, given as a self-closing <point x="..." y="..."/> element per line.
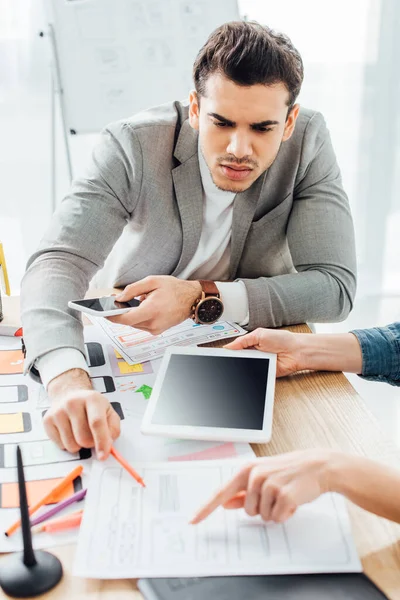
<point x="218" y="434"/>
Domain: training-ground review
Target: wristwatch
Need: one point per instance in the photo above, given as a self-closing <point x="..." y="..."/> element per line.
<point x="209" y="307"/>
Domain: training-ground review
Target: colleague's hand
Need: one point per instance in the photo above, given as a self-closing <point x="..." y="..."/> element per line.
<point x="79" y="416"/>
<point x="165" y="301"/>
<point x="288" y="346"/>
<point x="275" y="487"/>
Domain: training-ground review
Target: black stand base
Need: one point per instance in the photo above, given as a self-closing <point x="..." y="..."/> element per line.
<point x="21" y="581"/>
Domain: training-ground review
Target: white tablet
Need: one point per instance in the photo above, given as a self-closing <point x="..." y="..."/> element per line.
<point x="213" y="394"/>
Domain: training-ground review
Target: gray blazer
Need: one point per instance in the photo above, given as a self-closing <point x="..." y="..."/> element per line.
<point x="292" y="233"/>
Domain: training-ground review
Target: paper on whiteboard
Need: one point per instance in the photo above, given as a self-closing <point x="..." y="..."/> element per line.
<point x="130" y="531"/>
<point x="137" y="346"/>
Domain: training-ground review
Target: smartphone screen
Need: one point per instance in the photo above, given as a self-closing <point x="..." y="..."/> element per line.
<point x="104" y="385"/>
<point x="106" y="303"/>
<point x="95" y="354"/>
<point x="15" y="423"/>
<point x="42" y="452"/>
<point x="13" y="393"/>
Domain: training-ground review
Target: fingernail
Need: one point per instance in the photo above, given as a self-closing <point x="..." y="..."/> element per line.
<point x="101" y="455"/>
<point x="119" y="297"/>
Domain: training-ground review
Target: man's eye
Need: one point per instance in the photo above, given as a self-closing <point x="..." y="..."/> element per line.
<point x="262" y="129"/>
<point x="220" y="124"/>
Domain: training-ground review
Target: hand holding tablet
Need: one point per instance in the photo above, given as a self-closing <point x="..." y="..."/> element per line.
<point x="213" y="394"/>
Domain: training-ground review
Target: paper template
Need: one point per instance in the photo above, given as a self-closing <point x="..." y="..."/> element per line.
<point x="13" y="393"/>
<point x="120" y="368"/>
<point x="11" y="361"/>
<point x="39" y="480"/>
<point x="40" y="452"/>
<point x="23" y="403"/>
<point x="137" y="346"/>
<point x="130" y="531"/>
<point x="15" y="423"/>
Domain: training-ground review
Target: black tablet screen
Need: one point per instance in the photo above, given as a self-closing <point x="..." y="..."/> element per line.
<point x="213" y="391"/>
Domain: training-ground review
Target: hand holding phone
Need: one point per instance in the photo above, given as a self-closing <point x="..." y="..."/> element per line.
<point x="107" y="306"/>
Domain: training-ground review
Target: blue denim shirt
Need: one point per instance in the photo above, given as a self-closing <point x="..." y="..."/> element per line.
<point x="380" y="349"/>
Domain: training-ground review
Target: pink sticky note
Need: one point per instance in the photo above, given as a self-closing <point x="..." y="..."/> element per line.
<point x="227" y="450"/>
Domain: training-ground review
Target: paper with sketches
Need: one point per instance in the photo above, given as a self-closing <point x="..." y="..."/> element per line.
<point x="137" y="346"/>
<point x="130" y="531"/>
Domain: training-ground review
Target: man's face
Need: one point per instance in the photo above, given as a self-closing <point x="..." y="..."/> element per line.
<point x="240" y="129"/>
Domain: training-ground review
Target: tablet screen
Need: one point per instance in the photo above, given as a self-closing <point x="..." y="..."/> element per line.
<point x="213" y="391"/>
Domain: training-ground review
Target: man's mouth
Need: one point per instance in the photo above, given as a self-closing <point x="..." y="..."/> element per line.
<point x="236" y="172"/>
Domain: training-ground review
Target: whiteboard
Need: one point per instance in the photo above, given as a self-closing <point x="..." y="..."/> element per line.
<point x="117" y="57"/>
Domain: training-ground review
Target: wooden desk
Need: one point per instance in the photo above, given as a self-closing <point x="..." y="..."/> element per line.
<point x="312" y="410"/>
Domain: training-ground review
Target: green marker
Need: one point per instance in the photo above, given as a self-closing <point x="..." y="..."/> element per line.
<point x="145" y="390"/>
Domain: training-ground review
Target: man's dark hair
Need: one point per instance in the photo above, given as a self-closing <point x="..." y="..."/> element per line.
<point x="248" y="53"/>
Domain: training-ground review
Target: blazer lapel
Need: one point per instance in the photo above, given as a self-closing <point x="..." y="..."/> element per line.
<point x="243" y="212"/>
<point x="189" y="193"/>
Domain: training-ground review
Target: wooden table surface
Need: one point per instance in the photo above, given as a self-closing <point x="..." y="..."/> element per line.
<point x="312" y="410"/>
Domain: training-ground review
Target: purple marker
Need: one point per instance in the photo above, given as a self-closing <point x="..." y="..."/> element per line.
<point x="56" y="509"/>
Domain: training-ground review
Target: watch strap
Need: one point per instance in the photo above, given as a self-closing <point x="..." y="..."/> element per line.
<point x="209" y="288"/>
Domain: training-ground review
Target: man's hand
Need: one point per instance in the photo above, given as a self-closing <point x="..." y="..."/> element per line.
<point x="288" y="346"/>
<point x="275" y="487"/>
<point x="79" y="416"/>
<point x="165" y="301"/>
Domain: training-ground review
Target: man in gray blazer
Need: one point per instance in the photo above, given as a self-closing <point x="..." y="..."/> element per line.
<point x="231" y="206"/>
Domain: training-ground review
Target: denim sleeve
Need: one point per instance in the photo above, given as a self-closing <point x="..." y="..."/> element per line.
<point x="380" y="349"/>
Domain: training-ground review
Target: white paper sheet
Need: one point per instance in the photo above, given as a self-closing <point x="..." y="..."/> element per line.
<point x="129" y="531"/>
<point x="137" y="346"/>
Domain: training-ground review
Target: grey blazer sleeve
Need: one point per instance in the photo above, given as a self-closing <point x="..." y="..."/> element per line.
<point x="81" y="234"/>
<point x="320" y="236"/>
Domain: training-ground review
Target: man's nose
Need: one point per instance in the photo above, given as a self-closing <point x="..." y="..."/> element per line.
<point x="239" y="146"/>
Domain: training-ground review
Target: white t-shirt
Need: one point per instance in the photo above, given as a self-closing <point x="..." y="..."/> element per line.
<point x="212" y="257"/>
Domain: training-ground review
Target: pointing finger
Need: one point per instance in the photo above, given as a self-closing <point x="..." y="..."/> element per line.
<point x="236" y="502"/>
<point x="97" y="419"/>
<point x="237" y="484"/>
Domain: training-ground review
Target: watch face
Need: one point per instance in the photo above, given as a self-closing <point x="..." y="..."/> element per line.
<point x="209" y="310"/>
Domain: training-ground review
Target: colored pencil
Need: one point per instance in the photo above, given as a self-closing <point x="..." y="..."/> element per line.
<point x="127" y="466"/>
<point x="69" y="522"/>
<point x="56" y="509"/>
<point x="52" y="495"/>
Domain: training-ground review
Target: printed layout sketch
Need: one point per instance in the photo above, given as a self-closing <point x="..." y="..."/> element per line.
<point x="163" y="543"/>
